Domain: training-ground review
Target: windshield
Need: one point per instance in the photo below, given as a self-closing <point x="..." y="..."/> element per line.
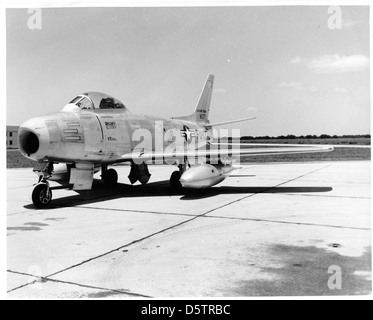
<point x="104" y="101"/>
<point x="85" y="103"/>
<point x="97" y="100"/>
<point x="82" y="102"/>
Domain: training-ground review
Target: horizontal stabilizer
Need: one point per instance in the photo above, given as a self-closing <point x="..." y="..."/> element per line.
<point x="228" y="122"/>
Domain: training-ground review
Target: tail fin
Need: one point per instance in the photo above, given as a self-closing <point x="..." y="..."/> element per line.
<point x="203" y="107"/>
<point x="202" y="111"/>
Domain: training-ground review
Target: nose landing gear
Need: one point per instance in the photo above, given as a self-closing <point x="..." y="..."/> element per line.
<point x="42" y="194"/>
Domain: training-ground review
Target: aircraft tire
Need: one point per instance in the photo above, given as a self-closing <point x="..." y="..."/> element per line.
<point x="175" y="181"/>
<point x="41" y="196"/>
<point x="110" y="177"/>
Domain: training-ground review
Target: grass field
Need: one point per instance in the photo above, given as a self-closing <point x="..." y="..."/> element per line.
<point x="339" y="154"/>
<point x="16" y="160"/>
<point x="343" y="141"/>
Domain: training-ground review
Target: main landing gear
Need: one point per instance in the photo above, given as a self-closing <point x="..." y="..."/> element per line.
<point x="42" y="194"/>
<point x="176" y="175"/>
<point x="109" y="176"/>
<point x="175" y="180"/>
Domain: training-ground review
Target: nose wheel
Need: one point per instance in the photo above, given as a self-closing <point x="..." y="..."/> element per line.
<point x="42" y="195"/>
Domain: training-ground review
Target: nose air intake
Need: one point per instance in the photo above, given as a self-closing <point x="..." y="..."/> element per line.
<point x="28" y="142"/>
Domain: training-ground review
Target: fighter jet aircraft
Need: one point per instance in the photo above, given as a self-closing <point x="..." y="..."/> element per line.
<point x="94" y="131"/>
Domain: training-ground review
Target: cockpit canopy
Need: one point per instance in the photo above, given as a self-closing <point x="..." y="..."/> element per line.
<point x="93" y="100"/>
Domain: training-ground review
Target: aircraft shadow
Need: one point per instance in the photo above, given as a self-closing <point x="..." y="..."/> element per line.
<point x="100" y="193"/>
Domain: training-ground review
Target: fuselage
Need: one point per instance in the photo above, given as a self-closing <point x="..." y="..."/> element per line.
<point x="102" y="135"/>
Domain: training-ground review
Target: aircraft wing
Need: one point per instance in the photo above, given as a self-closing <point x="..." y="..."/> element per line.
<point x="296" y="145"/>
<point x="216" y="151"/>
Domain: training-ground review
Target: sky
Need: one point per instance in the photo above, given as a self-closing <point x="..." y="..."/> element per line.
<point x="284" y="65"/>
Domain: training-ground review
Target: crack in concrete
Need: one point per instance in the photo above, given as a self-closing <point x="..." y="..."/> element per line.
<point x="230" y="218"/>
<point x="45" y="279"/>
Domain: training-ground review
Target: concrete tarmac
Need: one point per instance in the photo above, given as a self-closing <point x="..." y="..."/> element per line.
<point x="269" y="230"/>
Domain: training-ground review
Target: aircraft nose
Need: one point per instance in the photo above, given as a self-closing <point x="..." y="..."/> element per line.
<point x="33" y="139"/>
<point x="28" y="142"/>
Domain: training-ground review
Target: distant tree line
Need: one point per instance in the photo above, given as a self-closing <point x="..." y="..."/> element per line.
<point x="291" y="136"/>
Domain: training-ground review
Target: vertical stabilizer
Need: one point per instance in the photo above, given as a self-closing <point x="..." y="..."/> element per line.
<point x="203" y="106"/>
<point x="202" y="111"/>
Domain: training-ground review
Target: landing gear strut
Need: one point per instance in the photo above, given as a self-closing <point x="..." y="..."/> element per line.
<point x="42" y="194"/>
<point x="109" y="176"/>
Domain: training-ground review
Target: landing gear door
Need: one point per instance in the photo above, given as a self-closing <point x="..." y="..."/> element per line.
<point x="93" y="135"/>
